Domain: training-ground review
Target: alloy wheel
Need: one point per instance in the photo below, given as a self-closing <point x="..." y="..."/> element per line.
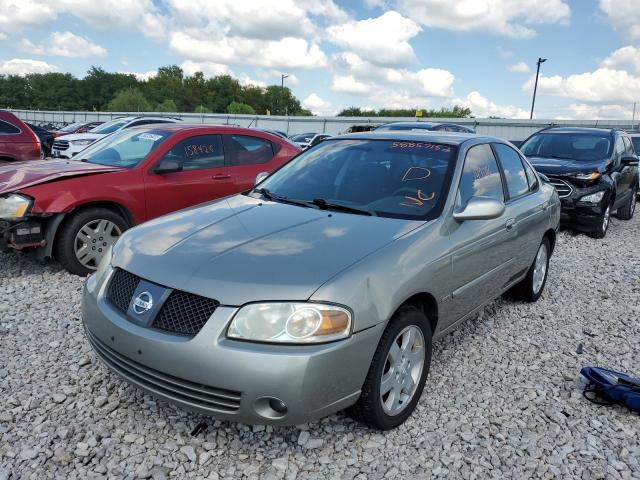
<point x="402" y="370"/>
<point x="93" y="240"/>
<point x="605" y="219"/>
<point x="540" y="268"/>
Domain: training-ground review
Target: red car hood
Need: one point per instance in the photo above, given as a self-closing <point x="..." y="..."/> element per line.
<point x="16" y="176"/>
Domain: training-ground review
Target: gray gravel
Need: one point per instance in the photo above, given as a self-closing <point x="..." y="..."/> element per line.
<point x="503" y="398"/>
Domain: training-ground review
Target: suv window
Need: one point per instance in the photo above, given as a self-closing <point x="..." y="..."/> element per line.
<point x="628" y="146"/>
<point x="514" y="173"/>
<point x="620" y="148"/>
<point x="198" y="153"/>
<point x="480" y="176"/>
<point x="7" y="128"/>
<point x="246" y="150"/>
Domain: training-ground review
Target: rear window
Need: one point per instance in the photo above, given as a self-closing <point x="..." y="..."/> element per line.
<point x="247" y="150"/>
<point x="7" y="128"/>
<point x="570" y="146"/>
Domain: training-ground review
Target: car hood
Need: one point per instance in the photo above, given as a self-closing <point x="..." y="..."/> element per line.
<point x="240" y="249"/>
<point x="563" y="166"/>
<point x="84" y="136"/>
<point x="19" y="175"/>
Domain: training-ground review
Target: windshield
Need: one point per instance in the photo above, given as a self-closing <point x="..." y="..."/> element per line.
<point x="636" y="144"/>
<point x="387" y="178"/>
<point x="124" y="149"/>
<point x="303" y="137"/>
<point x="109" y="127"/>
<point x="570" y="146"/>
<point x="71" y="127"/>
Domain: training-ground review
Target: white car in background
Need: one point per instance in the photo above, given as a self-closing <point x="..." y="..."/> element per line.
<point x="69" y="145"/>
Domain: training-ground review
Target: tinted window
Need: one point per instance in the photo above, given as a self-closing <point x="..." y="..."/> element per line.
<point x="531" y="177"/>
<point x="627" y="146"/>
<point x="246" y="150"/>
<point x="197" y="153"/>
<point x="390" y="178"/>
<point x="514" y="174"/>
<point x="123" y="149"/>
<point x="619" y="146"/>
<point x="636" y="144"/>
<point x="480" y="176"/>
<point x="572" y="146"/>
<point x="7" y="128"/>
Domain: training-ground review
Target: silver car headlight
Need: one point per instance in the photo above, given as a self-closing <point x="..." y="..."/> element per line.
<point x="593" y="198"/>
<point x="14" y="206"/>
<point x="290" y="323"/>
<point x="82" y="142"/>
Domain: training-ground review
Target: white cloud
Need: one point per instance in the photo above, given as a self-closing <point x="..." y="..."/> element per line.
<point x="245" y="79"/>
<point x="624" y="16"/>
<point x="382" y="40"/>
<point x="625" y="58"/>
<point x="16" y="15"/>
<point x="209" y="69"/>
<point x="511" y="18"/>
<point x="609" y="112"/>
<point x="314" y="102"/>
<point x="23" y="66"/>
<point x="483" y="107"/>
<point x="519" y="67"/>
<point x="602" y="85"/>
<point x="144" y="76"/>
<point x="348" y="84"/>
<point x="64" y="44"/>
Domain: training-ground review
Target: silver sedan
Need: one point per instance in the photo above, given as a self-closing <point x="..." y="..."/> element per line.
<point x="324" y="287"/>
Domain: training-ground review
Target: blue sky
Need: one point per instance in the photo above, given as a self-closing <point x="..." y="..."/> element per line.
<point x="373" y="53"/>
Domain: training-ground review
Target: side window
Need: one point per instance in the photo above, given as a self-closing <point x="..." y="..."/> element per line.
<point x="480" y="176"/>
<point x="514" y="173"/>
<point x="531" y="177"/>
<point x="246" y="150"/>
<point x="619" y="147"/>
<point x="198" y="153"/>
<point x="628" y="147"/>
<point x="8" y="129"/>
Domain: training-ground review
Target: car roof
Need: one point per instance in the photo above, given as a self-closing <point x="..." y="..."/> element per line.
<point x="449" y="138"/>
<point x="180" y="126"/>
<point x="584" y="130"/>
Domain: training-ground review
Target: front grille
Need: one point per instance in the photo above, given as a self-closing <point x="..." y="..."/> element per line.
<point x="60" y="144"/>
<point x="184" y="313"/>
<point x="121" y="289"/>
<point x="563" y="187"/>
<point x="164" y="385"/>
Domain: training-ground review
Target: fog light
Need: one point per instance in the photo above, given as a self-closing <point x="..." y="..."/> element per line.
<point x="278" y="405"/>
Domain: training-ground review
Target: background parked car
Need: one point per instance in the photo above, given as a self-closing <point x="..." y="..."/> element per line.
<point x="77" y="127"/>
<point x="433" y="126"/>
<point x="17" y="141"/>
<point x="125" y="179"/>
<point x="70" y="145"/>
<point x="594" y="170"/>
<point x="306" y="140"/>
<point x="45" y="136"/>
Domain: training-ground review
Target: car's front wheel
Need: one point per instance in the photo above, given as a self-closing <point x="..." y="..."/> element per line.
<point x="605" y="219"/>
<point x="398" y="371"/>
<point x="85" y="237"/>
<point x="626" y="212"/>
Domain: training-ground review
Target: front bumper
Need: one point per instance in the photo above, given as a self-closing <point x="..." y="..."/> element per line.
<point x="68" y="152"/>
<point x="229" y="379"/>
<point x="582" y="215"/>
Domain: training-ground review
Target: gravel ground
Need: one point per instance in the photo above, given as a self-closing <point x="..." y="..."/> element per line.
<point x="503" y="398"/>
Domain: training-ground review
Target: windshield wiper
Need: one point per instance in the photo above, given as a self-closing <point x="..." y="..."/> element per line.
<point x="323" y="204"/>
<point x="269" y="195"/>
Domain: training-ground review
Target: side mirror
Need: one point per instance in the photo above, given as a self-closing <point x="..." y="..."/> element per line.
<point x="543" y="177"/>
<point x="167" y="165"/>
<point x="629" y="161"/>
<point x="480" y="208"/>
<point x="260" y="177"/>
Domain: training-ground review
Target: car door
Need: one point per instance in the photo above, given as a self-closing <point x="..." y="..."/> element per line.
<point x="627" y="173"/>
<point x="618" y="173"/>
<point x="479" y="252"/>
<point x="526" y="215"/>
<point x="204" y="176"/>
<point x="246" y="157"/>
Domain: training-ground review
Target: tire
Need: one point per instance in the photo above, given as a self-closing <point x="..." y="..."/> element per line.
<point x="605" y="220"/>
<point x="370" y="408"/>
<point x="530" y="289"/>
<point x="67" y="248"/>
<point x="626" y="212"/>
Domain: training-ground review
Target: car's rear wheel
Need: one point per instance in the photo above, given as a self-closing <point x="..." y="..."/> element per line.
<point x="85" y="237"/>
<point x="605" y="219"/>
<point x="531" y="287"/>
<point x="626" y="212"/>
<point x="398" y="371"/>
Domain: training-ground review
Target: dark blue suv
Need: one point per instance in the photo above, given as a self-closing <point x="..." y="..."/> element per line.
<point x="594" y="170"/>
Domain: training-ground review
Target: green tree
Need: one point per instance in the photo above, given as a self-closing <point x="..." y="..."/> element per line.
<point x="201" y="109"/>
<point x="99" y="87"/>
<point x="14" y="92"/>
<point x="238" y="107"/>
<point x="167" y="106"/>
<point x="54" y="91"/>
<point x="167" y="83"/>
<point x="129" y="100"/>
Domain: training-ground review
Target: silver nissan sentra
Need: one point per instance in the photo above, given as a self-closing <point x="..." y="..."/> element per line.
<point x="324" y="287"/>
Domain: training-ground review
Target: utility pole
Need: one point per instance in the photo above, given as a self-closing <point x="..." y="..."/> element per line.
<point x="535" y="88"/>
<point x="282" y="77"/>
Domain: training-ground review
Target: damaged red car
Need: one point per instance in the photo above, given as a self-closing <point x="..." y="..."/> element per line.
<point x="74" y="210"/>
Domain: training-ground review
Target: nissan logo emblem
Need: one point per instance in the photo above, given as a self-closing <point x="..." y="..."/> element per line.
<point x="143" y="303"/>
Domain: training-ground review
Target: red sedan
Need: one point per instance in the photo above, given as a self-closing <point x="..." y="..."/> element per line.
<point x="17" y="140"/>
<point x="74" y="210"/>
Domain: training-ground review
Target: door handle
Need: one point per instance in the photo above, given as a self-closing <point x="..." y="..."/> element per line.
<point x="221" y="176"/>
<point x="510" y="224"/>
